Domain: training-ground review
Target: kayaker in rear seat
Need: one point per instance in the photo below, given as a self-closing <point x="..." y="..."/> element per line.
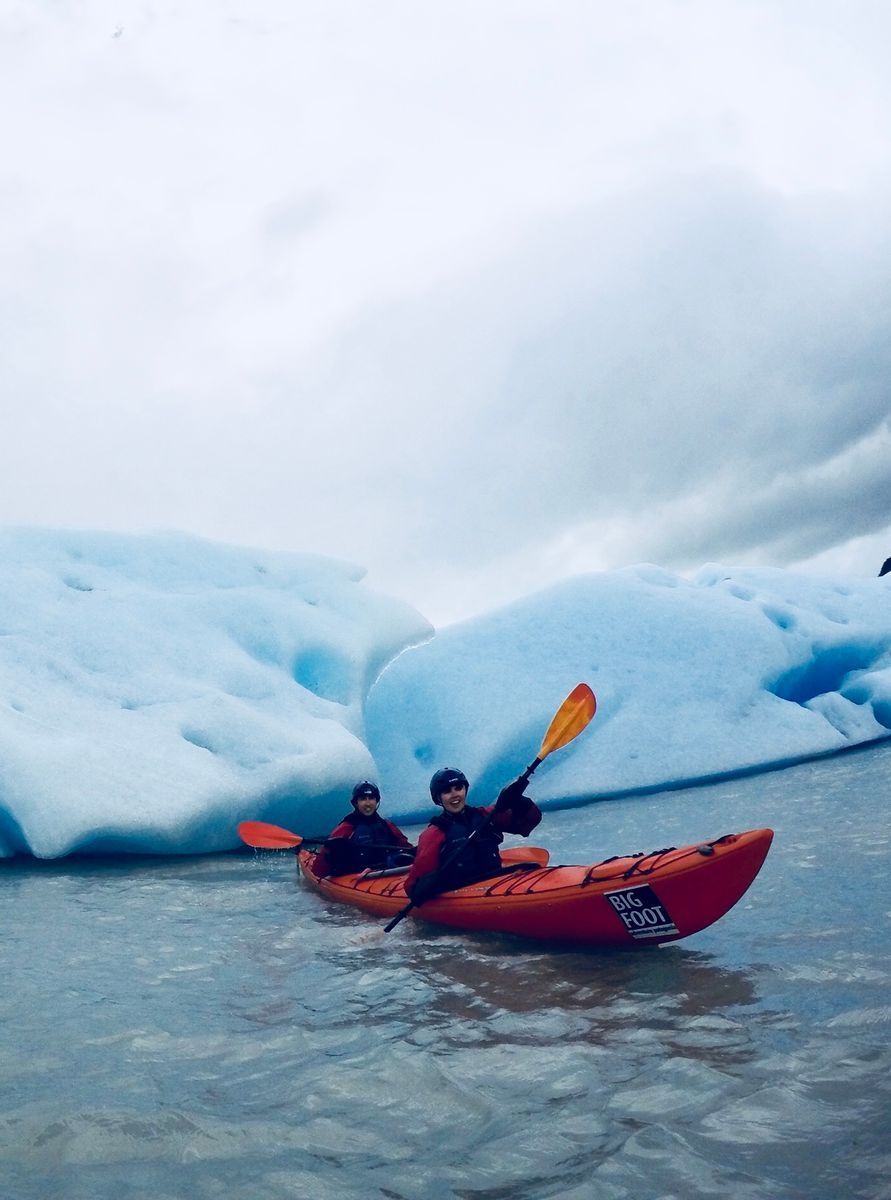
<point x="447" y="842"/>
<point x="363" y="839"/>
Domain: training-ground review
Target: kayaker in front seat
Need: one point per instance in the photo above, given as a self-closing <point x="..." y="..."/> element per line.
<point x="363" y="839"/>
<point x="447" y="839"/>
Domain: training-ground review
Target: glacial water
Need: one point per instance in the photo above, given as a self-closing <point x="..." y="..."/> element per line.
<point x="186" y="1029"/>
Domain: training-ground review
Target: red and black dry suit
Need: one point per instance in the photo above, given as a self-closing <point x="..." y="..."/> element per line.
<point x="447" y="840"/>
<point x="359" y="842"/>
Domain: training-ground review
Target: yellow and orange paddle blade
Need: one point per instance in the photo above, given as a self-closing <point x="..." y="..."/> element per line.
<point x="267" y="837"/>
<point x="570" y="719"/>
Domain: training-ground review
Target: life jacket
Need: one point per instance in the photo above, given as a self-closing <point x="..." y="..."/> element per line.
<point x="372" y="844"/>
<point x="468" y="859"/>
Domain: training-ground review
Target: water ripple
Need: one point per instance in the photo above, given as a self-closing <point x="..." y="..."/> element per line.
<point x="207" y="1029"/>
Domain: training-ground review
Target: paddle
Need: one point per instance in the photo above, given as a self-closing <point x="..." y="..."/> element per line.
<point x="573" y="715"/>
<point x="263" y="836"/>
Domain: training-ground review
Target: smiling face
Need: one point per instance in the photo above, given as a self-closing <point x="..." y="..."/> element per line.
<point x="367" y="805"/>
<point x="454" y="798"/>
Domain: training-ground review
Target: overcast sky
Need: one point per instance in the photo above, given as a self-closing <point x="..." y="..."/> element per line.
<point x="476" y="293"/>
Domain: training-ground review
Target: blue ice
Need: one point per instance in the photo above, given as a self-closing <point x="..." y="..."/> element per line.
<point x="155" y="690"/>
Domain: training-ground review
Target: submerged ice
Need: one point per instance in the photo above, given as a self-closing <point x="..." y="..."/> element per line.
<point x="155" y="690"/>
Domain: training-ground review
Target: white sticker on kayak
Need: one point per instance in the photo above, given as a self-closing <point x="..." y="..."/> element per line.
<point x="642" y="912"/>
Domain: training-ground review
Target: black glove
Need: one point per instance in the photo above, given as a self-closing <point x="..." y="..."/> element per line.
<point x="425" y="889"/>
<point x="509" y="795"/>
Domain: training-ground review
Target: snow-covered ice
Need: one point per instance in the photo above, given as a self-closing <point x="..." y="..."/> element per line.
<point x="157" y="689"/>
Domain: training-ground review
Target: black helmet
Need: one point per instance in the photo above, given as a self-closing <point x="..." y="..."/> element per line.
<point x="445" y="778"/>
<point x="365" y="788"/>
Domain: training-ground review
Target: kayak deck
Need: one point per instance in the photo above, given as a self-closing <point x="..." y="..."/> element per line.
<point x="632" y="901"/>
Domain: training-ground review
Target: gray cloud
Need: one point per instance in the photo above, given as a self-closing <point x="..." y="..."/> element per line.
<point x="707" y="339"/>
<point x="459" y="292"/>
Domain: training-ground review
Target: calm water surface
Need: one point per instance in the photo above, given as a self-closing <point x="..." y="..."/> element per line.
<point x="198" y="1028"/>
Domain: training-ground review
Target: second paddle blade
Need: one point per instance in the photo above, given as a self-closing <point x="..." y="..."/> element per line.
<point x="262" y="836"/>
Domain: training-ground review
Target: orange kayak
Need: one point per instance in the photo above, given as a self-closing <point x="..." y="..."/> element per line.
<point x="639" y="900"/>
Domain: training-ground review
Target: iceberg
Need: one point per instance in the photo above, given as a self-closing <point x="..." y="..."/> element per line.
<point x="696" y="679"/>
<point x="157" y="689"/>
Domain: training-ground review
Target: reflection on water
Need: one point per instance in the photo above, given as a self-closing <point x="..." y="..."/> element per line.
<point x="208" y="1028"/>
